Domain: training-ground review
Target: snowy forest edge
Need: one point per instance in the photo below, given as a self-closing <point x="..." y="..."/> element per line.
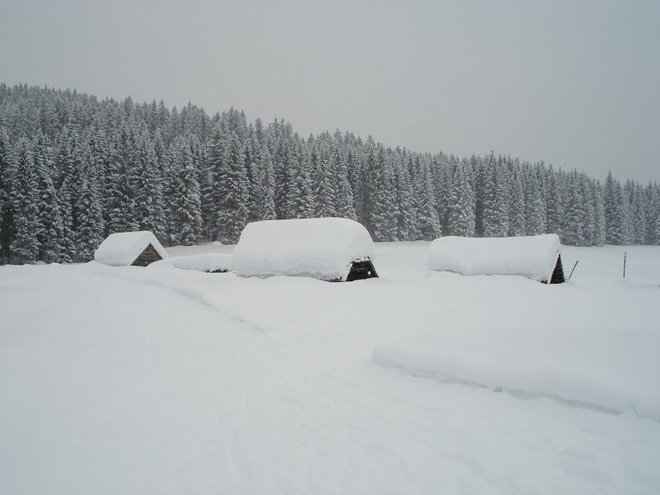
<point x="74" y="169"/>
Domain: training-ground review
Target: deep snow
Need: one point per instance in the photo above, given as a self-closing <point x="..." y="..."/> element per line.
<point x="131" y="380"/>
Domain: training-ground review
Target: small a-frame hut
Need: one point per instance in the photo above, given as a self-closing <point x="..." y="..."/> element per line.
<point x="130" y="249"/>
<point x="536" y="257"/>
<point x="332" y="249"/>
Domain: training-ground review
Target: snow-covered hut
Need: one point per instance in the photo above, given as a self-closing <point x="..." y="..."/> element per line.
<point x="130" y="248"/>
<point x="536" y="257"/>
<point x="333" y="249"/>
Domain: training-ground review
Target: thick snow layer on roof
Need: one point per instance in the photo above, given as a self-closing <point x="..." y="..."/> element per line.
<point x="317" y="247"/>
<point x="532" y="257"/>
<point x="207" y="262"/>
<point x="122" y="248"/>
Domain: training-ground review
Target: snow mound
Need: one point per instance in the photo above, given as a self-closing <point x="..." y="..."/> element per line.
<point x="322" y="248"/>
<point x="208" y="262"/>
<point x="609" y="371"/>
<point x="533" y="257"/>
<point x="123" y="248"/>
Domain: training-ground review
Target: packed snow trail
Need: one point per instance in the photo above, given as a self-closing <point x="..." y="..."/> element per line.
<point x="112" y="381"/>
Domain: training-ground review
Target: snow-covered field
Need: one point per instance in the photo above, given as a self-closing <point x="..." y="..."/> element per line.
<point x="158" y="380"/>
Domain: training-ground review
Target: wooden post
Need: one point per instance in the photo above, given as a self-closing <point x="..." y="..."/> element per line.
<point x="575" y="265"/>
<point x="625" y="255"/>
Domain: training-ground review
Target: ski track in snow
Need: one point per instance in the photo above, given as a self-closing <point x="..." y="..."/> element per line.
<point x="131" y="381"/>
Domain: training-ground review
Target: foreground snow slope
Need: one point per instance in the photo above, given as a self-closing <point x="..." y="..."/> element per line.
<point x="129" y="380"/>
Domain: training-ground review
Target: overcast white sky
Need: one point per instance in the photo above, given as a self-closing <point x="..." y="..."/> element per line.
<point x="573" y="82"/>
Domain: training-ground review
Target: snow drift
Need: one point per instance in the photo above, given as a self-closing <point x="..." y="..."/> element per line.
<point x="123" y="248"/>
<point x="323" y="248"/>
<point x="534" y="257"/>
<point x="207" y="262"/>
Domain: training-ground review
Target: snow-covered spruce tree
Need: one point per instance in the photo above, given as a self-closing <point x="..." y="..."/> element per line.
<point x="323" y="181"/>
<point x="405" y="202"/>
<point x="443" y="173"/>
<point x="554" y="204"/>
<point x="6" y="222"/>
<point x="496" y="200"/>
<point x="266" y="194"/>
<point x="656" y="229"/>
<point x="90" y="228"/>
<point x="358" y="181"/>
<point x="589" y="216"/>
<point x="639" y="220"/>
<point x="574" y="213"/>
<point x="614" y="214"/>
<point x="461" y="200"/>
<point x="300" y="203"/>
<point x="517" y="222"/>
<point x="535" y="213"/>
<point x="122" y="176"/>
<point x="427" y="221"/>
<point x="24" y="205"/>
<point x="51" y="228"/>
<point x="343" y="192"/>
<point x="599" y="215"/>
<point x="149" y="209"/>
<point x="252" y="167"/>
<point x="380" y="209"/>
<point x="281" y="147"/>
<point x="232" y="191"/>
<point x="188" y="197"/>
<point x="217" y="157"/>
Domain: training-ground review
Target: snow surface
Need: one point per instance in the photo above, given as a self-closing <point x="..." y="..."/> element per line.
<point x="533" y="257"/>
<point x="206" y="262"/>
<point x="321" y="248"/>
<point x="222" y="384"/>
<point x="122" y="248"/>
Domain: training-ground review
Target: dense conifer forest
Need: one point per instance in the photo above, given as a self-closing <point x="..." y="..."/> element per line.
<point x="74" y="169"/>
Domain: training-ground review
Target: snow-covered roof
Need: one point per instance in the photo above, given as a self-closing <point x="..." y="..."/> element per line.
<point x="322" y="248"/>
<point x="533" y="257"/>
<point x="123" y="248"/>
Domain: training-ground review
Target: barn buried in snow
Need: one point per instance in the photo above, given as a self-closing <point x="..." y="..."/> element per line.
<point x="535" y="257"/>
<point x="332" y="249"/>
<point x="130" y="249"/>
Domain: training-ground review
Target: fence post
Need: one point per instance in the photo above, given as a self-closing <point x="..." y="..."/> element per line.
<point x="625" y="255"/>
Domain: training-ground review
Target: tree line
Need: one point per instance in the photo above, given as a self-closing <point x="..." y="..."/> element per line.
<point x="74" y="169"/>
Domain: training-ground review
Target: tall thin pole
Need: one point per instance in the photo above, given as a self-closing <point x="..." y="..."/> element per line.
<point x="625" y="255"/>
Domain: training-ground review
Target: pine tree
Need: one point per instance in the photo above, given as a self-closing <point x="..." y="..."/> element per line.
<point x="405" y="201"/>
<point x="535" y="213"/>
<point x="343" y="192"/>
<point x="189" y="206"/>
<point x="517" y="221"/>
<point x="6" y="221"/>
<point x="614" y="214"/>
<point x="461" y="199"/>
<point x="324" y="191"/>
<point x="232" y="191"/>
<point x="149" y="209"/>
<point x="50" y="230"/>
<point x="89" y="232"/>
<point x="24" y="205"/>
<point x="267" y="191"/>
<point x="574" y="224"/>
<point x="428" y="222"/>
<point x="495" y="201"/>
<point x="599" y="215"/>
<point x="300" y="201"/>
<point x="122" y="177"/>
<point x="555" y="204"/>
